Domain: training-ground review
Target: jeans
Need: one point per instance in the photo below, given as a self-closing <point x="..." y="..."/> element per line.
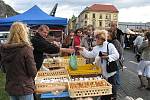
<point x="112" y="81"/>
<point x="23" y="97"/>
<point x="118" y="78"/>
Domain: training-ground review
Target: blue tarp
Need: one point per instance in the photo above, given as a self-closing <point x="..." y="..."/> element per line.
<point x="34" y="16"/>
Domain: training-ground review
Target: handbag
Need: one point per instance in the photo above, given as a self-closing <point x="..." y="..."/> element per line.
<point x="111" y="66"/>
<point x="73" y="61"/>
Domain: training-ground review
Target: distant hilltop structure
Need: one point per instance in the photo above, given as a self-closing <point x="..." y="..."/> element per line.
<point x="6" y="10"/>
<point x="98" y="15"/>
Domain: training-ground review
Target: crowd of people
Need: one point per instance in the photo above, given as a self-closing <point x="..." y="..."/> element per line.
<point x="22" y="57"/>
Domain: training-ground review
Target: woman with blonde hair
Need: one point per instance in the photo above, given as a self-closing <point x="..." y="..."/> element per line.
<point x="18" y="63"/>
<point x="100" y="51"/>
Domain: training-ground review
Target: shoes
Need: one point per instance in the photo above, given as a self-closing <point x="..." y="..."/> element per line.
<point x="148" y="88"/>
<point x="124" y="67"/>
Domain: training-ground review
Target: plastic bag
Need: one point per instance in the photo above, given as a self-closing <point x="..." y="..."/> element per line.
<point x="73" y="61"/>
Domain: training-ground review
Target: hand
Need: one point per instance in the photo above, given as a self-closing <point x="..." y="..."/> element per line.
<point x="56" y="43"/>
<point x="67" y="50"/>
<point x="104" y="57"/>
<point x="80" y="48"/>
<point x="70" y="50"/>
<point x="104" y="54"/>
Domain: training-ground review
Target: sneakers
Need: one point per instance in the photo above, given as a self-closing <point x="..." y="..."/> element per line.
<point x="124" y="67"/>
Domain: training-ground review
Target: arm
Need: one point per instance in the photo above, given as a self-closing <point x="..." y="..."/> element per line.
<point x="113" y="53"/>
<point x="87" y="54"/>
<point x="30" y="63"/>
<point x="119" y="48"/>
<point x="42" y="45"/>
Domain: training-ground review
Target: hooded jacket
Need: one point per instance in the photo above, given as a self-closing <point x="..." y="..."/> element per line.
<point x="19" y="65"/>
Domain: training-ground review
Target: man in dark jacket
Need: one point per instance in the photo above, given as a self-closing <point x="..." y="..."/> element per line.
<point x="41" y="46"/>
<point x="117" y="32"/>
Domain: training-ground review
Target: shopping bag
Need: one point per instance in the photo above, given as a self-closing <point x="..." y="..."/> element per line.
<point x="73" y="61"/>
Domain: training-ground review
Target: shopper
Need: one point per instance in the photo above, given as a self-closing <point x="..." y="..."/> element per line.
<point x="101" y="37"/>
<point x="144" y="64"/>
<point x="18" y="63"/>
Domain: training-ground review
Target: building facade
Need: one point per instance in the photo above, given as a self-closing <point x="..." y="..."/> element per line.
<point x="98" y="15"/>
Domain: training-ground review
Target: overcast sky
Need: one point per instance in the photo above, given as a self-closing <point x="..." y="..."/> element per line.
<point x="129" y="10"/>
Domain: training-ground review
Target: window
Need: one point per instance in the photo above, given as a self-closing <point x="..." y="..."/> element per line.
<point x="85" y="23"/>
<point x="115" y="17"/>
<point x="100" y="23"/>
<point x="100" y="16"/>
<point x="108" y="16"/>
<point x="86" y="16"/>
<point x="107" y="24"/>
<point x="93" y="15"/>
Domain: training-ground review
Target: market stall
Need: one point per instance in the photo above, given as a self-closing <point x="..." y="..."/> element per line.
<point x="62" y="81"/>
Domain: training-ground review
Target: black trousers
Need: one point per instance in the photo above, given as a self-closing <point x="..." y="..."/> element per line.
<point x="112" y="81"/>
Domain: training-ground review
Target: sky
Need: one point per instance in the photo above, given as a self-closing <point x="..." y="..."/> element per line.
<point x="129" y="10"/>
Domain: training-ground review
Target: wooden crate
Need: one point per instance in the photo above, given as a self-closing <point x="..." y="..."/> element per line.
<point x="89" y="88"/>
<point x="50" y="87"/>
<point x="51" y="83"/>
<point x="55" y="72"/>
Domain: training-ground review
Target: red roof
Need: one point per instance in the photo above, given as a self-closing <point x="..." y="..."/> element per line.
<point x="103" y="7"/>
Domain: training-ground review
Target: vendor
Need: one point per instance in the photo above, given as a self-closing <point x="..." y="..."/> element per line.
<point x="41" y="45"/>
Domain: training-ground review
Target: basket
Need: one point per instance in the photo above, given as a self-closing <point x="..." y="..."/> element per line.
<point x="52" y="72"/>
<point x="89" y="88"/>
<point x="51" y="83"/>
<point x="87" y="69"/>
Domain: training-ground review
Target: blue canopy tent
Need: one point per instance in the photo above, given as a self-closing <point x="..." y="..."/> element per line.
<point x="34" y="16"/>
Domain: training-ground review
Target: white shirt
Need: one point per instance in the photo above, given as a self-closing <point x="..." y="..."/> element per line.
<point x="113" y="56"/>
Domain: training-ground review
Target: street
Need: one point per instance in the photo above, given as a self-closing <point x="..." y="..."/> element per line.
<point x="129" y="79"/>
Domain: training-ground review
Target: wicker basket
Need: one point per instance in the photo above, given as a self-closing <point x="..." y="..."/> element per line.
<point x="86" y="88"/>
<point x="52" y="72"/>
<point x="87" y="69"/>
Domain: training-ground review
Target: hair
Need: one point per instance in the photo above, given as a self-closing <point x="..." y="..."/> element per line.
<point x="79" y="29"/>
<point x="19" y="34"/>
<point x="101" y="33"/>
<point x="90" y="26"/>
<point x="42" y="27"/>
<point x="71" y="31"/>
<point x="113" y="23"/>
<point x="112" y="34"/>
